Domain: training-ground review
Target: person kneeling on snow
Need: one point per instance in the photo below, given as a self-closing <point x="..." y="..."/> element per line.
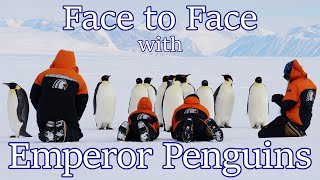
<point x="296" y="105"/>
<point x="60" y="95"/>
<point x="190" y="122"/>
<point x="142" y="124"/>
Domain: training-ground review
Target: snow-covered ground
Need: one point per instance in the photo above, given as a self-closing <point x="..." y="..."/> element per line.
<point x="124" y="71"/>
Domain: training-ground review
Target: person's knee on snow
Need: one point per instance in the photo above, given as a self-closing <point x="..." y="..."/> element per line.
<point x="296" y="105"/>
<point x="60" y="94"/>
<point x="189" y="121"/>
<point x="142" y="124"/>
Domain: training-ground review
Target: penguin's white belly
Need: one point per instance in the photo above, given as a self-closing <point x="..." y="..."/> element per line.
<point x="106" y="102"/>
<point x="258" y="106"/>
<point x="158" y="106"/>
<point x="224" y="106"/>
<point x="136" y="95"/>
<point x="152" y="96"/>
<point x="14" y="122"/>
<point x="173" y="99"/>
<point x="206" y="99"/>
<point x="187" y="89"/>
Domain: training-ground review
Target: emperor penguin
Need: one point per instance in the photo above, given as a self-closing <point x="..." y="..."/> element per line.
<point x="104" y="102"/>
<point x="137" y="92"/>
<point x="223" y="102"/>
<point x="258" y="104"/>
<point x="18" y="110"/>
<point x="187" y="88"/>
<point x="159" y="98"/>
<point x="152" y="91"/>
<point x="205" y="94"/>
<point x="173" y="98"/>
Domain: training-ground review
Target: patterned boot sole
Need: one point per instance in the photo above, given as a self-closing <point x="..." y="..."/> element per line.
<point x="123" y="131"/>
<point x="144" y="135"/>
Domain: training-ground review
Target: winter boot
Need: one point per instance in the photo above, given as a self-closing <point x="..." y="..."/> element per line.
<point x="123" y="131"/>
<point x="49" y="131"/>
<point x="144" y="134"/>
<point x="60" y="131"/>
<point x="216" y="132"/>
<point x="291" y="130"/>
<point x="187" y="131"/>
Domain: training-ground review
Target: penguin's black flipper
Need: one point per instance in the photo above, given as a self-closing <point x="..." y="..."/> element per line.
<point x="23" y="111"/>
<point x="248" y="99"/>
<point x="155" y="90"/>
<point x="194" y="89"/>
<point x="215" y="97"/>
<point x="95" y="98"/>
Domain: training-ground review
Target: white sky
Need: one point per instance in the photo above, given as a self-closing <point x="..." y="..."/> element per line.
<point x="275" y="15"/>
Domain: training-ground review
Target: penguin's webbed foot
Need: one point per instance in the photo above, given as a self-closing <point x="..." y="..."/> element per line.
<point x="109" y="128"/>
<point x="13" y="136"/>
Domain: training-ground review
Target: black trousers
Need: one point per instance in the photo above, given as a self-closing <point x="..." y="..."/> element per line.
<point x="73" y="130"/>
<point x="134" y="134"/>
<point x="275" y="128"/>
<point x="199" y="131"/>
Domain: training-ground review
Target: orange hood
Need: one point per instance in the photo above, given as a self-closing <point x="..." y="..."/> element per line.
<point x="191" y="100"/>
<point x="65" y="59"/>
<point x="297" y="71"/>
<point x="145" y="104"/>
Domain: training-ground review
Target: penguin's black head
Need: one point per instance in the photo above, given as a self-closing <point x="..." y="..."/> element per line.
<point x="204" y="83"/>
<point x="105" y="77"/>
<point x="171" y="77"/>
<point x="258" y="80"/>
<point x="184" y="78"/>
<point x="227" y="77"/>
<point x="179" y="77"/>
<point x="139" y="81"/>
<point x="11" y="85"/>
<point x="165" y="78"/>
<point x="147" y="80"/>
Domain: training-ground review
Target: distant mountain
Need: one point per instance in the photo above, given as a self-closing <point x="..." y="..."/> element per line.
<point x="29" y="31"/>
<point x="297" y="42"/>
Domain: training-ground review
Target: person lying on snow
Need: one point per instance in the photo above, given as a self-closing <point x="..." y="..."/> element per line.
<point x="296" y="105"/>
<point x="190" y="122"/>
<point x="60" y="95"/>
<point x="142" y="124"/>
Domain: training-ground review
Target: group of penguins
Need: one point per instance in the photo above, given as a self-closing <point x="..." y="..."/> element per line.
<point x="169" y="96"/>
<point x="171" y="93"/>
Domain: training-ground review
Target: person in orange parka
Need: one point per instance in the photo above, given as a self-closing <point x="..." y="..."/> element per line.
<point x="142" y="124"/>
<point x="296" y="105"/>
<point x="59" y="95"/>
<point x="191" y="122"/>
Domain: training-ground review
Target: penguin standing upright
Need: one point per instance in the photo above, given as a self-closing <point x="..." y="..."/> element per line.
<point x="223" y="102"/>
<point x="18" y="110"/>
<point x="159" y="99"/>
<point x="152" y="91"/>
<point x="137" y="92"/>
<point x="258" y="105"/>
<point x="104" y="102"/>
<point x="205" y="94"/>
<point x="173" y="98"/>
<point x="187" y="88"/>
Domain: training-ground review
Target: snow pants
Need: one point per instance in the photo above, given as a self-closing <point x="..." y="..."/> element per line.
<point x="281" y="127"/>
<point x="199" y="131"/>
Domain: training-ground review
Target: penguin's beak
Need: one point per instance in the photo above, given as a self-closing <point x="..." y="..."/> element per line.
<point x="7" y="84"/>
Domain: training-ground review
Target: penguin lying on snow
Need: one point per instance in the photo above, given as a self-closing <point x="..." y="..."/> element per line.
<point x="223" y="102"/>
<point x="104" y="102"/>
<point x="258" y="105"/>
<point x="18" y="110"/>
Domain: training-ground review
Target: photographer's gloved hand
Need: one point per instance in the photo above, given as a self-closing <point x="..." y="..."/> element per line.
<point x="277" y="98"/>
